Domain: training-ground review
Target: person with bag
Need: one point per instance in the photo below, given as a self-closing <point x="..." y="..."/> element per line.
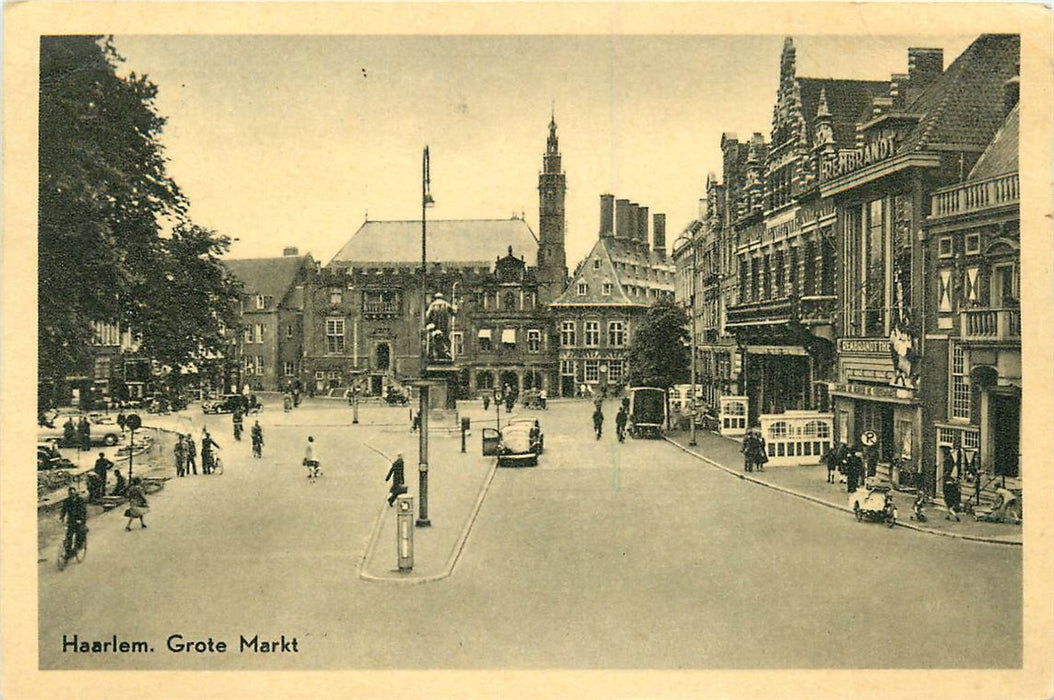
<point x="137" y="504"/>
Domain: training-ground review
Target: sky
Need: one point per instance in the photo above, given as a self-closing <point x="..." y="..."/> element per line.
<point x="293" y="140"/>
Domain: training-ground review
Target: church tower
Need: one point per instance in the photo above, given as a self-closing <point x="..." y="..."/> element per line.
<point x="552" y="185"/>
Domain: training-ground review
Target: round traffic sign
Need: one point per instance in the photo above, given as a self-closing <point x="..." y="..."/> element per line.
<point x="133" y="421"/>
<point x="869" y="438"/>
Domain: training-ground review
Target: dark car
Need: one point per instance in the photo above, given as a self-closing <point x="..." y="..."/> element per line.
<point x="225" y="404"/>
<point x="518" y="444"/>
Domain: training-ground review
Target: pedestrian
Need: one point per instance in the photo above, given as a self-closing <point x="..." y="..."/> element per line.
<point x="761" y="454"/>
<point x="69" y="433"/>
<point x="310" y="459"/>
<point x="257" y="438"/>
<point x="620" y="424"/>
<point x="84" y="431"/>
<point x="191" y="454"/>
<point x="486" y="402"/>
<point x="543" y="399"/>
<point x="180" y="453"/>
<point x="952" y="495"/>
<point x="582" y="389"/>
<point x="415" y="422"/>
<point x="854" y="467"/>
<point x="137" y="504"/>
<point x="120" y="486"/>
<point x="121" y="420"/>
<point x="598" y="421"/>
<point x="207" y="456"/>
<point x="748" y="449"/>
<point x="75" y="513"/>
<point x="510" y="401"/>
<point x="102" y="465"/>
<point x="398" y="478"/>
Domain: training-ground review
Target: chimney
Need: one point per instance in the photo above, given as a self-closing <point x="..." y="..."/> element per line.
<point x="622" y="218"/>
<point x="607" y="215"/>
<point x="634" y="217"/>
<point x="924" y="67"/>
<point x="642" y="226"/>
<point x="290" y="252"/>
<point x="659" y="234"/>
<point x="1012" y="90"/>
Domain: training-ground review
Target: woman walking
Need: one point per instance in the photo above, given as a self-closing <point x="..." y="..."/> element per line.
<point x="137" y="505"/>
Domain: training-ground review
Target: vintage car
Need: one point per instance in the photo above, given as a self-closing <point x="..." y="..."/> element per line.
<point x="874" y="502"/>
<point x="104" y="430"/>
<point x="647" y="411"/>
<point x="517" y="444"/>
<point x="225" y="404"/>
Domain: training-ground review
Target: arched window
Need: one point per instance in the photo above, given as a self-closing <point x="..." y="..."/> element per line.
<point x="778" y="431"/>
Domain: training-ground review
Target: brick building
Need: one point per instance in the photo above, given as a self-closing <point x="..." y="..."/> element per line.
<point x="610" y="291"/>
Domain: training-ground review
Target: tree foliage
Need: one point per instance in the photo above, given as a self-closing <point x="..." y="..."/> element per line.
<point x="105" y="199"/>
<point x="658" y="355"/>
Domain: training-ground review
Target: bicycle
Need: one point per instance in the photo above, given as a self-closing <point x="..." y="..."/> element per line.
<point x="80" y="548"/>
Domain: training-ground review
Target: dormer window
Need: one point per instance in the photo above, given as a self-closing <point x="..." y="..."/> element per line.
<point x="583" y="289"/>
<point x="607" y="289"/>
<point x="596" y="264"/>
<point x="259" y="301"/>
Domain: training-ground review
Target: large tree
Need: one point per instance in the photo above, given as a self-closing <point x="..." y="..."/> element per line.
<point x="189" y="300"/>
<point x="105" y="202"/>
<point x="103" y="194"/>
<point x="658" y="355"/>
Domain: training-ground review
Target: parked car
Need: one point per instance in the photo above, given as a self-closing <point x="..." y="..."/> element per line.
<point x="647" y="411"/>
<point x="225" y="404"/>
<point x="874" y="503"/>
<point x="104" y="431"/>
<point x="49" y="457"/>
<point x="516" y="444"/>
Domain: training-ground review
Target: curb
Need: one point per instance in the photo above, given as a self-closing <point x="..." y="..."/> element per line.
<point x="835" y="506"/>
<point x="455" y="555"/>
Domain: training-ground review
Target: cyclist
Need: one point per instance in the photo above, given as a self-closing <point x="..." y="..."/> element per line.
<point x="237" y="420"/>
<point x="257" y="438"/>
<point x="75" y="513"/>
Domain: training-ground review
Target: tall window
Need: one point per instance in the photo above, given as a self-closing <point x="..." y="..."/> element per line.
<point x="792" y="272"/>
<point x="567" y="368"/>
<point x="288" y="368"/>
<point x="592" y="370"/>
<point x="780" y="265"/>
<point x="592" y="333"/>
<point x="615" y="371"/>
<point x="458" y="341"/>
<point x="583" y="289"/>
<point x="509" y="302"/>
<point x="616" y="334"/>
<point x="874" y="270"/>
<point x="534" y="340"/>
<point x="289" y="331"/>
<point x="259" y="332"/>
<point x="334" y="335"/>
<point x="567" y="334"/>
<point x="259" y="361"/>
<point x="743" y="281"/>
<point x="249" y="333"/>
<point x="960" y="389"/>
<point x="901" y="244"/>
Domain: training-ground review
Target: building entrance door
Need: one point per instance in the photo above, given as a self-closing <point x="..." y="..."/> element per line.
<point x="376" y="384"/>
<point x="1006" y="433"/>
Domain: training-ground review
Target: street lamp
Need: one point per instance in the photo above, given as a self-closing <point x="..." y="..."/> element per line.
<point x="422" y="471"/>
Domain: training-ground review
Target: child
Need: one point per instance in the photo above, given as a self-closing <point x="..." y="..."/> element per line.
<point x="917" y="514"/>
<point x="310" y="462"/>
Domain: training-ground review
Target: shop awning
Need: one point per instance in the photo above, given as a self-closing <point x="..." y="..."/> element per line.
<point x="484" y="333"/>
<point x="508" y="335"/>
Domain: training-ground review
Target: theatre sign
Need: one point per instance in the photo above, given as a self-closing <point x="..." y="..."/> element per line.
<point x="881" y="147"/>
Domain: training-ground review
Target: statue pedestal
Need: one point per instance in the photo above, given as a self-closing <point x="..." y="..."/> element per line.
<point x="442" y="378"/>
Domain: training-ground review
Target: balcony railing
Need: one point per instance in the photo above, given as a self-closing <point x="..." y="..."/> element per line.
<point x="380" y="307"/>
<point x="991" y="324"/>
<point x="761" y="312"/>
<point x="808" y="310"/>
<point x="976" y="196"/>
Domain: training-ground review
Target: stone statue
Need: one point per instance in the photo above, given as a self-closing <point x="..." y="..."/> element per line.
<point x="438" y="317"/>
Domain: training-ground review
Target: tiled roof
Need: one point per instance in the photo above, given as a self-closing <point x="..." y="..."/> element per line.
<point x="964" y="107"/>
<point x="269" y="277"/>
<point x="479" y="241"/>
<point x="601" y="267"/>
<point x="849" y="101"/>
<point x="1000" y="157"/>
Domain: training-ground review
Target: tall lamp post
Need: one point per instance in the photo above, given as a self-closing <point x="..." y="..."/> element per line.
<point x="422" y="469"/>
